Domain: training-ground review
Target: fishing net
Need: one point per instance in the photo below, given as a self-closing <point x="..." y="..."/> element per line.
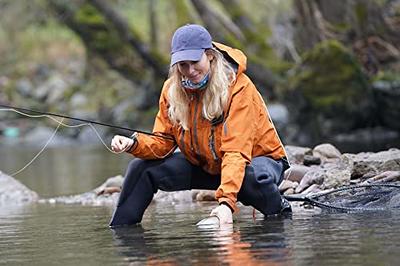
<point x="366" y="197"/>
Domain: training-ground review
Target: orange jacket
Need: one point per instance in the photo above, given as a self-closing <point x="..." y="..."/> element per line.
<point x="224" y="147"/>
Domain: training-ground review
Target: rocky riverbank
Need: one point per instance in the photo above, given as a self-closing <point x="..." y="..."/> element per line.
<point x="313" y="170"/>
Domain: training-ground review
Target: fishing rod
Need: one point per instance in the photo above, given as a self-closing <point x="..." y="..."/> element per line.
<point x="83" y="120"/>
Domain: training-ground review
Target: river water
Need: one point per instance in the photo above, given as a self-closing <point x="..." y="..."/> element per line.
<point x="46" y="234"/>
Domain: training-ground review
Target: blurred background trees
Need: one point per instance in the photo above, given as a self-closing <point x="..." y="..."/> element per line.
<point x="328" y="69"/>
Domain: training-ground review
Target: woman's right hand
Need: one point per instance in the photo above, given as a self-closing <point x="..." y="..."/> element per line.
<point x="121" y="143"/>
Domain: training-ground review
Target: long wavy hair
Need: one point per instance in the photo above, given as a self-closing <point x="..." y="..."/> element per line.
<point x="215" y="96"/>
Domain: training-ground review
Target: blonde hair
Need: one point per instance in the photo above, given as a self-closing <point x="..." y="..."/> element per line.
<point x="215" y="97"/>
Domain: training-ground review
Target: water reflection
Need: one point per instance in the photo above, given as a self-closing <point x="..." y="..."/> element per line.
<point x="260" y="243"/>
<point x="131" y="243"/>
<point x="43" y="234"/>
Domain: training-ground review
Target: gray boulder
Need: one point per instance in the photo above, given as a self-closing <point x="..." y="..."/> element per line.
<point x="326" y="151"/>
<point x="14" y="192"/>
<point x="296" y="154"/>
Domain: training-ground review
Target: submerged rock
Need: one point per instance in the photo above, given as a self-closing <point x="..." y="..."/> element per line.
<point x="108" y="194"/>
<point x="14" y="192"/>
<point x="99" y="196"/>
<point x="89" y="198"/>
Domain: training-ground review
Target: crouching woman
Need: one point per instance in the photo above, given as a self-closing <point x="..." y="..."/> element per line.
<point x="213" y="112"/>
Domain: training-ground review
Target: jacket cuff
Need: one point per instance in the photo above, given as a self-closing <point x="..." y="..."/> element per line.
<point x="135" y="143"/>
<point x="133" y="147"/>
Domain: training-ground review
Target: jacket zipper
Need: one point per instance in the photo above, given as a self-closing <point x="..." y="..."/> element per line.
<point x="194" y="140"/>
<point x="183" y="139"/>
<point x="211" y="143"/>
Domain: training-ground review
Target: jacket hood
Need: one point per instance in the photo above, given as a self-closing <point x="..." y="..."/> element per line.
<point x="235" y="56"/>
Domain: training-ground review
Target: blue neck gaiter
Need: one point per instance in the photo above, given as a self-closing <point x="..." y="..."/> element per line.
<point x="187" y="84"/>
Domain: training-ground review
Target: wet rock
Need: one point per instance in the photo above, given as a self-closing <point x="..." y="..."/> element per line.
<point x="289" y="191"/>
<point x="115" y="181"/>
<point x="310" y="178"/>
<point x="328" y="175"/>
<point x="314" y="188"/>
<point x="100" y="196"/>
<point x="301" y="179"/>
<point x="296" y="154"/>
<point x="296" y="172"/>
<point x="13" y="192"/>
<point x="287" y="184"/>
<point x="88" y="198"/>
<point x="387" y="176"/>
<point x="368" y="162"/>
<point x="204" y="195"/>
<point x="337" y="174"/>
<point x="326" y="151"/>
<point x="173" y="197"/>
<point x="311" y="160"/>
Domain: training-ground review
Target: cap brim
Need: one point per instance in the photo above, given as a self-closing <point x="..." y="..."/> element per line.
<point x="186" y="55"/>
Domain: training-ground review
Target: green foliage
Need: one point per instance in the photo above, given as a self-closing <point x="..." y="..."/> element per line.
<point x="182" y="12"/>
<point x="341" y="27"/>
<point x="104" y="37"/>
<point x="329" y="75"/>
<point x="390" y="76"/>
<point x="361" y="13"/>
<point x="89" y="15"/>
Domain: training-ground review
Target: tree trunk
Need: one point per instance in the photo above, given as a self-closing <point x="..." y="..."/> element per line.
<point x="208" y="17"/>
<point x="237" y="15"/>
<point x="129" y="36"/>
<point x="115" y="43"/>
<point x="153" y="25"/>
<point x="183" y="14"/>
<point x="311" y="26"/>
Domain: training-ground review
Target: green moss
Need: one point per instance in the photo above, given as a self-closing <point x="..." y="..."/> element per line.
<point x="361" y="13"/>
<point x="341" y="27"/>
<point x="329" y="76"/>
<point x="103" y="37"/>
<point x="89" y="15"/>
<point x="182" y="12"/>
<point x="387" y="76"/>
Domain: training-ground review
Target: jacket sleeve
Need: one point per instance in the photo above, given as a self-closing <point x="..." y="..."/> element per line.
<point x="152" y="147"/>
<point x="237" y="144"/>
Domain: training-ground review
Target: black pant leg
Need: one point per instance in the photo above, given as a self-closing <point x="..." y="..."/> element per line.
<point x="260" y="185"/>
<point x="143" y="178"/>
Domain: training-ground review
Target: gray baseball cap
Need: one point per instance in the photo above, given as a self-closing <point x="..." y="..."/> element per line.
<point x="189" y="43"/>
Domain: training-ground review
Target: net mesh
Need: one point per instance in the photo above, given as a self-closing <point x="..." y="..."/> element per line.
<point x="359" y="198"/>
